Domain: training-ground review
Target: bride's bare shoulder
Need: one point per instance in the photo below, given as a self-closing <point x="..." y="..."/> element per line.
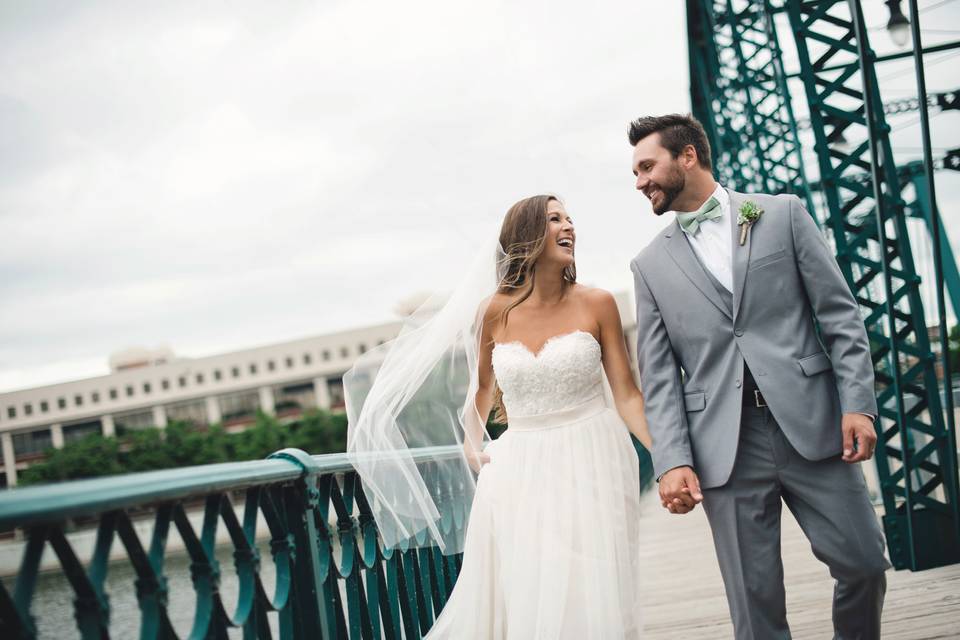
<point x="494" y="305"/>
<point x="593" y="295"/>
<point x="600" y="302"/>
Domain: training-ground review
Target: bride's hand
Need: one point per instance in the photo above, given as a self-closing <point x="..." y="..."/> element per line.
<point x="476" y="459"/>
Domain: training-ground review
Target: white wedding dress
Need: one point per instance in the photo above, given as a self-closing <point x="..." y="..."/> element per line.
<point x="551" y="549"/>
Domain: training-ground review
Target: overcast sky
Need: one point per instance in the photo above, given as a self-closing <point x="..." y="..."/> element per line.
<point x="214" y="176"/>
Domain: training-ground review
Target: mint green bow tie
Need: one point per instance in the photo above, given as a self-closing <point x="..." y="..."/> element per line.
<point x="690" y="222"/>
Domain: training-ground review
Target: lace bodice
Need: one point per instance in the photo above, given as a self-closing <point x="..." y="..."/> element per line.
<point x="565" y="373"/>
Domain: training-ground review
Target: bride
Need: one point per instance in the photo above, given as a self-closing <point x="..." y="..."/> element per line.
<point x="551" y="548"/>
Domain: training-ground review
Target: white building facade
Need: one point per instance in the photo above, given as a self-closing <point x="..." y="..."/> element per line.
<point x="280" y="379"/>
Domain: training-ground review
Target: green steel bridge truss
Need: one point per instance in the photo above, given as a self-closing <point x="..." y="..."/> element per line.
<point x="739" y="91"/>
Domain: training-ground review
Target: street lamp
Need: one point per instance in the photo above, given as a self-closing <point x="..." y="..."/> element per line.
<point x="898" y="26"/>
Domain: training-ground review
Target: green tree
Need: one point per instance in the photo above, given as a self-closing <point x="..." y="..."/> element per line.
<point x="187" y="445"/>
<point x="263" y="438"/>
<point x="143" y="450"/>
<point x="89" y="457"/>
<point x="181" y="444"/>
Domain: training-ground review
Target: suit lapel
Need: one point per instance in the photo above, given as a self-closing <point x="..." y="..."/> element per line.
<point x="682" y="254"/>
<point x="741" y="255"/>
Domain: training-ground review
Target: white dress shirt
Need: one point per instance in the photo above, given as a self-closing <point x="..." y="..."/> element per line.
<point x="713" y="242"/>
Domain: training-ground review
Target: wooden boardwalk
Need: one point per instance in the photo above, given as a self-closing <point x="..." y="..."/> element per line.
<point x="684" y="594"/>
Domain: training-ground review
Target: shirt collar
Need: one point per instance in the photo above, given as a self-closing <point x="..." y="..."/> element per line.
<point x="722" y="196"/>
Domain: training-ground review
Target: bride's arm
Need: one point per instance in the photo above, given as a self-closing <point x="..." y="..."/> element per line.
<point x="626" y="396"/>
<point x="475" y="422"/>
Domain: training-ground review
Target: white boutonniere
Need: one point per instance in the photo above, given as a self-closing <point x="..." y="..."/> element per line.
<point x="750" y="212"/>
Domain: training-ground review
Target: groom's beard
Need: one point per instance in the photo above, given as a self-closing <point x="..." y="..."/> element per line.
<point x="673" y="186"/>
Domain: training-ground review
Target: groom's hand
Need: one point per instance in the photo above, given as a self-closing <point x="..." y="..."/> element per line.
<point x="859" y="437"/>
<point x="680" y="490"/>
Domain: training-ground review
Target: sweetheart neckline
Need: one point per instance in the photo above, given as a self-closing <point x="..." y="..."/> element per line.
<point x="543" y="347"/>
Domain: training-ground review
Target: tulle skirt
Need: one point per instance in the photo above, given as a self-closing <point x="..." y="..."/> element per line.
<point x="551" y="549"/>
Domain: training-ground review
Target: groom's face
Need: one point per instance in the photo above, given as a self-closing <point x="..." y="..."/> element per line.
<point x="659" y="175"/>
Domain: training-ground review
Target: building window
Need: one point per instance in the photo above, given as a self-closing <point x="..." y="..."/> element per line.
<point x="44" y="406"/>
<point x="325" y="355"/>
<point x="79" y="431"/>
<point x="113" y="394"/>
<point x="294" y="398"/>
<point x="253" y="369"/>
<point x="271" y="365"/>
<point x="32" y="443"/>
<point x="28" y="409"/>
<point x="307" y="359"/>
<point x="95" y="397"/>
<point x="61" y="403"/>
<point x="344" y="352"/>
<point x="199" y="378"/>
<point x="146" y="387"/>
<point x="78" y="400"/>
<point x="240" y="406"/>
<point x="133" y="421"/>
<point x="362" y="348"/>
<point x="289" y="362"/>
<point x="165" y="384"/>
<point x="217" y="375"/>
<point x="129" y="391"/>
<point x="11" y="412"/>
<point x="235" y="372"/>
<point x="335" y="389"/>
<point x="182" y="381"/>
<point x="193" y="412"/>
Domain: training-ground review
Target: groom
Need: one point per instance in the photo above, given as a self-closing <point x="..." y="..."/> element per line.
<point x="749" y="405"/>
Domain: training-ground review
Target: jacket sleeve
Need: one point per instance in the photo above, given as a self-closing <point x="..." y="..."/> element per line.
<point x="837" y="312"/>
<point x="660" y="383"/>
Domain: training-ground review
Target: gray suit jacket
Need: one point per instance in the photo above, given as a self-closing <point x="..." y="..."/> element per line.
<point x="691" y="348"/>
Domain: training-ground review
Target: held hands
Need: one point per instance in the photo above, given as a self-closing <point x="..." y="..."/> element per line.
<point x="680" y="490"/>
<point x="859" y="437"/>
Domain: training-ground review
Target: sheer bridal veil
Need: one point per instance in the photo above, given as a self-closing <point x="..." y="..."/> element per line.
<point x="411" y="408"/>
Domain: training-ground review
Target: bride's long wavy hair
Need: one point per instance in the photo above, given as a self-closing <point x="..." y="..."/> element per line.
<point x="523" y="237"/>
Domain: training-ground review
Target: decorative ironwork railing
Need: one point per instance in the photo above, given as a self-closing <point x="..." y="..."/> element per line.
<point x="332" y="578"/>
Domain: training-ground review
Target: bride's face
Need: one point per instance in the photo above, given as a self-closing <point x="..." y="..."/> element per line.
<point x="561" y="238"/>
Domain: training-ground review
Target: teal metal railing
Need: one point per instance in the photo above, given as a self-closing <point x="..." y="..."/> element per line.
<point x="332" y="578"/>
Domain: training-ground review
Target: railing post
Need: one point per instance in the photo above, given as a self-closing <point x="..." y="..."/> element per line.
<point x="299" y="504"/>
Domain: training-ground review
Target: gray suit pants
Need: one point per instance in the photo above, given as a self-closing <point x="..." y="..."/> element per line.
<point x="828" y="499"/>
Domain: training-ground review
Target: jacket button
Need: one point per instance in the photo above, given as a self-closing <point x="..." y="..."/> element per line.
<point x="737" y="383"/>
<point x="738" y="332"/>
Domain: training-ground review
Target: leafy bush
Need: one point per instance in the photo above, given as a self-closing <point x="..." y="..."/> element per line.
<point x="181" y="444"/>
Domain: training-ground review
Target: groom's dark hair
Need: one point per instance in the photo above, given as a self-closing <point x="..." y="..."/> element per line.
<point x="676" y="132"/>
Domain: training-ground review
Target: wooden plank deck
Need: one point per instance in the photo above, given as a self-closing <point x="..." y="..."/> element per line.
<point x="684" y="596"/>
